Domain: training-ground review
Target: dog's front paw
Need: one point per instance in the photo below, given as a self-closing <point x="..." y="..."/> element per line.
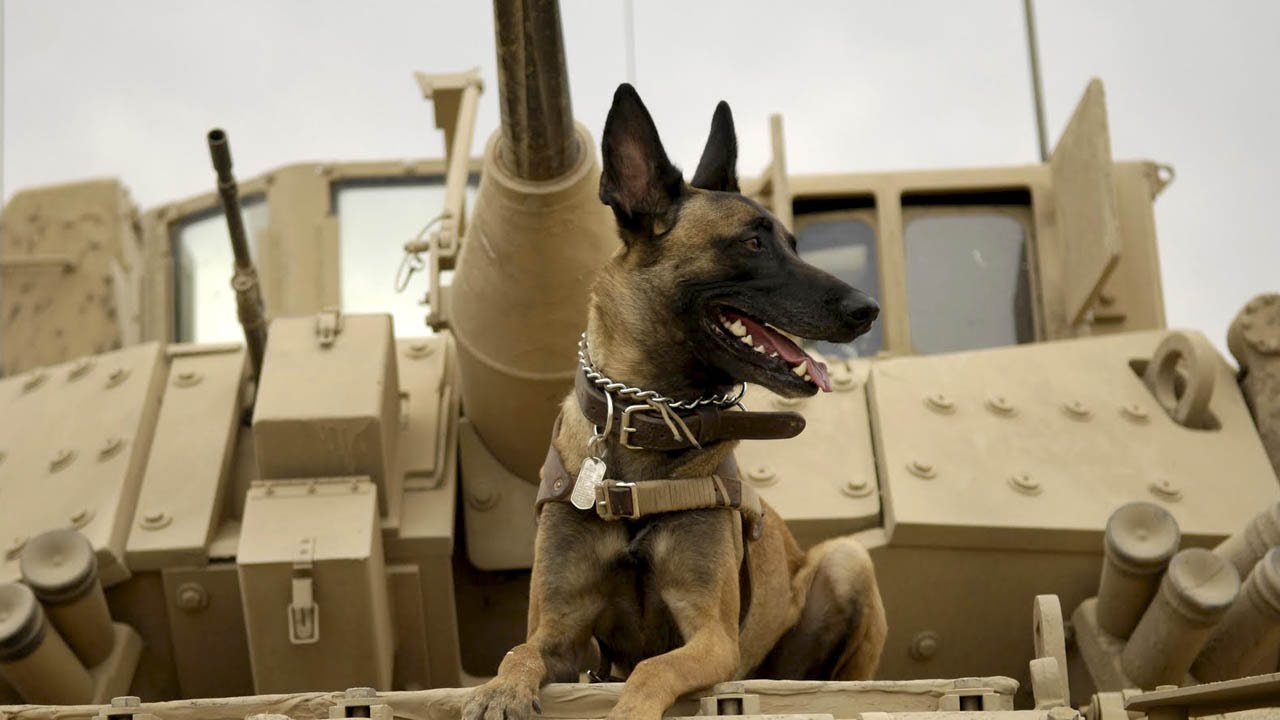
<point x="496" y="700"/>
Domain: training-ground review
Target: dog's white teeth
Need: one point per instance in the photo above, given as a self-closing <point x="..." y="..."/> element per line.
<point x="737" y="328"/>
<point x="801" y="369"/>
<point x="747" y="340"/>
<point x="773" y="354"/>
<point x="808" y="379"/>
<point x="760" y="349"/>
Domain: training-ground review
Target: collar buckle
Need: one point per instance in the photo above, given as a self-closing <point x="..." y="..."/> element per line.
<point x="626" y="429"/>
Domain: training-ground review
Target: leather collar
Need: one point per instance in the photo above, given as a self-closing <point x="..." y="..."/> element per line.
<point x="638" y="426"/>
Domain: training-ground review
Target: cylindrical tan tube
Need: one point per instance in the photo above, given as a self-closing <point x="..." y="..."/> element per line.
<point x="1246" y="639"/>
<point x="1140" y="539"/>
<point x="34" y="659"/>
<point x="1246" y="548"/>
<point x="1195" y="593"/>
<point x="62" y="571"/>
<point x="519" y="300"/>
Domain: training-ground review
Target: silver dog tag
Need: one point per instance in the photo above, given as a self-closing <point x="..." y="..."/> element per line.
<point x="584" y="491"/>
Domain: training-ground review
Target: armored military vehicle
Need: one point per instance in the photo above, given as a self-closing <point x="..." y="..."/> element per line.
<point x="1070" y="506"/>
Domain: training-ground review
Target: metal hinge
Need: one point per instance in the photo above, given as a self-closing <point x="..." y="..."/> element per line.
<point x="304" y="613"/>
<point x="328" y="326"/>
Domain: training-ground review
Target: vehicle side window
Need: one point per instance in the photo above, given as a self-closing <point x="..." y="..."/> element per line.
<point x="846" y="248"/>
<point x="968" y="281"/>
<point x="203" y="265"/>
<point x="375" y="219"/>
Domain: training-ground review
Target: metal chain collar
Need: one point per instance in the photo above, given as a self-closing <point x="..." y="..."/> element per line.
<point x="609" y="386"/>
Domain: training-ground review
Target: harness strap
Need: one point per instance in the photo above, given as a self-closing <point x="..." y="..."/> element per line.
<point x="616" y="500"/>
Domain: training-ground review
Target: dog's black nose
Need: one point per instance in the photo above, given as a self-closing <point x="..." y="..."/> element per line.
<point x="860" y="308"/>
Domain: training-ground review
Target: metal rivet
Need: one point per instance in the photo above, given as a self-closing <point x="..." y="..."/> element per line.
<point x="762" y="475"/>
<point x="924" y="645"/>
<point x="187" y="378"/>
<point x="117" y="376"/>
<point x="192" y="597"/>
<point x="419" y="350"/>
<point x="1000" y="405"/>
<point x="481" y="496"/>
<point x="110" y="447"/>
<point x="154" y="520"/>
<point x="857" y="488"/>
<point x="1025" y="484"/>
<point x="34" y="380"/>
<point x="80" y="369"/>
<point x="61" y="459"/>
<point x="1077" y="410"/>
<point x="940" y="403"/>
<point x="921" y="469"/>
<point x="80" y="518"/>
<point x="1165" y="489"/>
<point x="558" y="485"/>
<point x="1135" y="412"/>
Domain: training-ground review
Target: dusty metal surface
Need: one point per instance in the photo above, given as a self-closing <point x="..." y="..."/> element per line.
<point x="362" y="513"/>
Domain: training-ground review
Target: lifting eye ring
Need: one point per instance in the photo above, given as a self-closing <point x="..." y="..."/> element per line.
<point x="1181" y="377"/>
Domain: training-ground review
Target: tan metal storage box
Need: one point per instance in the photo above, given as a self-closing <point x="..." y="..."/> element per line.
<point x="314" y="586"/>
<point x="331" y="407"/>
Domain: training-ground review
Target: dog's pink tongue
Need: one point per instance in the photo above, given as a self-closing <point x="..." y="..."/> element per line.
<point x="789" y="351"/>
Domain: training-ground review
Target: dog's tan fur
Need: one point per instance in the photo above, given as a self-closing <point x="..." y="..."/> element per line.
<point x="689" y="560"/>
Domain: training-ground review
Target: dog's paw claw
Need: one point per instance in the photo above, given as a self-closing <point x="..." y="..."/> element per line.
<point x="493" y="701"/>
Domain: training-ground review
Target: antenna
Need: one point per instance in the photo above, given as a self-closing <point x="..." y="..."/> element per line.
<point x="1033" y="54"/>
<point x="629" y="29"/>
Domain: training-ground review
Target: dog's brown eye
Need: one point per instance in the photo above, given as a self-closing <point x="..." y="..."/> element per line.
<point x="752" y="242"/>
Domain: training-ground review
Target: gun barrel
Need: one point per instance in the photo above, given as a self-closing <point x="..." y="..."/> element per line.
<point x="220" y="151"/>
<point x="538" y="137"/>
<point x="249" y="306"/>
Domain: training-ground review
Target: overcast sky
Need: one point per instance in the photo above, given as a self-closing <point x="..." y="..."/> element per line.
<point x="128" y="89"/>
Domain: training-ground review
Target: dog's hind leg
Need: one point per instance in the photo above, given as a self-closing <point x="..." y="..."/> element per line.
<point x="565" y="598"/>
<point x="842" y="627"/>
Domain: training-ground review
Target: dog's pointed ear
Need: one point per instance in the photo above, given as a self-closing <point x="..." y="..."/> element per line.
<point x="718" y="169"/>
<point x="636" y="179"/>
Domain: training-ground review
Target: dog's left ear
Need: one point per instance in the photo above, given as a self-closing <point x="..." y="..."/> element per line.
<point x="636" y="178"/>
<point x="718" y="168"/>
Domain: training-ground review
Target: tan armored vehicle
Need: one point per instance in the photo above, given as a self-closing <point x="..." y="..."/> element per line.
<point x="1070" y="506"/>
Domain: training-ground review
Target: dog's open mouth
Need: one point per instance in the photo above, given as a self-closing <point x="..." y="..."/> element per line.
<point x="765" y="346"/>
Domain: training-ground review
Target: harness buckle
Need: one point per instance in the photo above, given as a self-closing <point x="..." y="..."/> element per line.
<point x="626" y="429"/>
<point x="616" y="500"/>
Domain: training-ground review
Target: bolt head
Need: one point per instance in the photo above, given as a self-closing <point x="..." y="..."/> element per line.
<point x="924" y="645"/>
<point x="1025" y="484"/>
<point x="192" y="597"/>
<point x="1000" y="405"/>
<point x="187" y="378"/>
<point x="155" y="520"/>
<point x="761" y="474"/>
<point x="1077" y="410"/>
<point x="1165" y="489"/>
<point x="921" y="469"/>
<point x="940" y="403"/>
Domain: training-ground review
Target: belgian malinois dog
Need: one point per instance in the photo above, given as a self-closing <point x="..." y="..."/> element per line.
<point x="696" y="300"/>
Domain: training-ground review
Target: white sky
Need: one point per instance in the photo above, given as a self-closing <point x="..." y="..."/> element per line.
<point x="128" y="89"/>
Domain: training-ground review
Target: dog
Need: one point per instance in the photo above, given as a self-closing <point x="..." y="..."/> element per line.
<point x="691" y="305"/>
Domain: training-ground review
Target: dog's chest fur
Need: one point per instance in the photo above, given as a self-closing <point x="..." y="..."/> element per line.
<point x="636" y="622"/>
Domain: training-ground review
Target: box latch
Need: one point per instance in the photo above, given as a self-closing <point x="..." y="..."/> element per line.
<point x="304" y="614"/>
